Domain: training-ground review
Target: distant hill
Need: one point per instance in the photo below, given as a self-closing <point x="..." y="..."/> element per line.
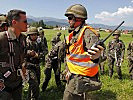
<point x="110" y="27"/>
<point x="63" y="22"/>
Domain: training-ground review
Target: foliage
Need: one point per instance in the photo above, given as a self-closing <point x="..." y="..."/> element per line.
<point x="112" y="89"/>
<point x="41" y="24"/>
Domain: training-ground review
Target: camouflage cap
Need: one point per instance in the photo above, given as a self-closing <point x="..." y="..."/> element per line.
<point x="32" y="30"/>
<point x="40" y="28"/>
<point x="117" y="33"/>
<point x="58" y="33"/>
<point x="2" y="20"/>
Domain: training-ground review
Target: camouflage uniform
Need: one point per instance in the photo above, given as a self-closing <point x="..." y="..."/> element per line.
<point x="44" y="46"/>
<point x="33" y="64"/>
<point x="53" y="61"/>
<point x="130" y="59"/>
<point x="116" y="49"/>
<point x="3" y="23"/>
<point x="102" y="61"/>
<point x="56" y="39"/>
<point x="8" y="69"/>
<point x="102" y="58"/>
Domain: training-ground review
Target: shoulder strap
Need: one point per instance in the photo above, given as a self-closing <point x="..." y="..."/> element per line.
<point x="11" y="53"/>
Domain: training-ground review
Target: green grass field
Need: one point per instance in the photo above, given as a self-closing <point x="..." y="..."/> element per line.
<point x="112" y="89"/>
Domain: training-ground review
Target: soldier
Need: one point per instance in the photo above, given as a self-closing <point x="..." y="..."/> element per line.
<point x="12" y="53"/>
<point x="3" y="23"/>
<point x="33" y="60"/>
<point x="102" y="58"/>
<point x="56" y="39"/>
<point x="116" y="49"/>
<point x="81" y="58"/>
<point x="130" y="59"/>
<point x="43" y="41"/>
<point x="52" y="62"/>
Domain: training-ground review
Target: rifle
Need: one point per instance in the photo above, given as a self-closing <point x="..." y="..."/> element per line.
<point x="101" y="42"/>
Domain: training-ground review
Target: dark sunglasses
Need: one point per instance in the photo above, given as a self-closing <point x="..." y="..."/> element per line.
<point x="25" y="21"/>
<point x="70" y="18"/>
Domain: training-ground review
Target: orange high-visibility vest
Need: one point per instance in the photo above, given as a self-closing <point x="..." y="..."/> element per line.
<point x="78" y="61"/>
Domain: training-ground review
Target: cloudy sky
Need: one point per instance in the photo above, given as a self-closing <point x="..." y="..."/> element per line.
<point x="109" y="12"/>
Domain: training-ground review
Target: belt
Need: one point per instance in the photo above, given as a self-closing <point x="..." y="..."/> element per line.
<point x="77" y="75"/>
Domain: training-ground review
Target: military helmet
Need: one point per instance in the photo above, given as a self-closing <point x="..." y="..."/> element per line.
<point x="2" y="20"/>
<point x="77" y="10"/>
<point x="117" y="33"/>
<point x="40" y="28"/>
<point x="32" y="30"/>
<point x="98" y="34"/>
<point x="58" y="33"/>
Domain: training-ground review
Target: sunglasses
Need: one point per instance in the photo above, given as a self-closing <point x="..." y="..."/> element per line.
<point x="70" y="18"/>
<point x="25" y="21"/>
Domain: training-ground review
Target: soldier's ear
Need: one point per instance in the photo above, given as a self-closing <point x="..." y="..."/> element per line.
<point x="14" y="22"/>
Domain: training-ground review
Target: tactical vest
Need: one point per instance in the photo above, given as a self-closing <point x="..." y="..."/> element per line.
<point x="78" y="61"/>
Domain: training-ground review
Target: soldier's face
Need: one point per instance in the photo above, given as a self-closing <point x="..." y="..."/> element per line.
<point x="21" y="24"/>
<point x="33" y="37"/>
<point x="116" y="36"/>
<point x="71" y="21"/>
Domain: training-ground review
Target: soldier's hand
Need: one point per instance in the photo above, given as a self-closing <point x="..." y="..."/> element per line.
<point x="32" y="53"/>
<point x="95" y="52"/>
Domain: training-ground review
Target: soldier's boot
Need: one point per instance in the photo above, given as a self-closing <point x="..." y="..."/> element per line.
<point x="119" y="72"/>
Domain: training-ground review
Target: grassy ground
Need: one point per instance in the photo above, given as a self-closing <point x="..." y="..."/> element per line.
<point x="112" y="89"/>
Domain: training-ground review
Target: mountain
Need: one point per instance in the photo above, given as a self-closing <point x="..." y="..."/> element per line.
<point x="46" y="19"/>
<point x="53" y="23"/>
<point x="63" y="22"/>
<point x="110" y="27"/>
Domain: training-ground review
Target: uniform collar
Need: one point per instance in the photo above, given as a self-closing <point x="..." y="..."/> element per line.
<point x="77" y="29"/>
<point x="11" y="34"/>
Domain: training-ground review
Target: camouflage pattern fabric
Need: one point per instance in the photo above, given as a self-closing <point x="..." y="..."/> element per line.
<point x="55" y="40"/>
<point x="53" y="61"/>
<point x="34" y="69"/>
<point x="130" y="59"/>
<point x="75" y="87"/>
<point x="116" y="50"/>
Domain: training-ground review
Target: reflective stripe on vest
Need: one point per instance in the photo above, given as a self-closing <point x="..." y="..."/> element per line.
<point x="83" y="64"/>
<point x="78" y="61"/>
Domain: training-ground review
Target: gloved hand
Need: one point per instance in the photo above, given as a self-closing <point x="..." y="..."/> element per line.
<point x="95" y="52"/>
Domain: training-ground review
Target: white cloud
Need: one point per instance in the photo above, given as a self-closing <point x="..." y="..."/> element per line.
<point x="132" y="1"/>
<point x="125" y="13"/>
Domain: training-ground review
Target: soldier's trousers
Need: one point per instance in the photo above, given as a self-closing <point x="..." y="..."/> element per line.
<point x="78" y="85"/>
<point x="47" y="72"/>
<point x="130" y="63"/>
<point x="111" y="62"/>
<point x="34" y="82"/>
<point x="13" y="95"/>
<point x="101" y="65"/>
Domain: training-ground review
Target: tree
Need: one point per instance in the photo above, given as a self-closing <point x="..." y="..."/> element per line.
<point x="41" y="24"/>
